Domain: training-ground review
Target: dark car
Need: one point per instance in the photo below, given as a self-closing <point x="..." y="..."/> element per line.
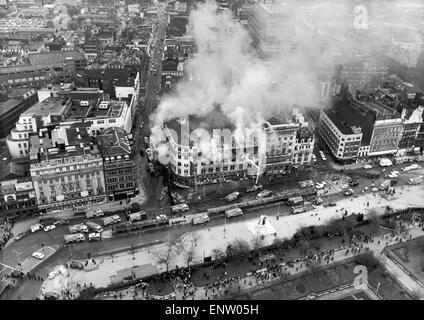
<point x="17" y="274"/>
<point x="51" y="296"/>
<point x="354" y="183"/>
<point x="76" y="265"/>
<point x="332" y="204"/>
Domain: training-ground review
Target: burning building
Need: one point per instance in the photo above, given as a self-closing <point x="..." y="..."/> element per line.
<point x="210" y="148"/>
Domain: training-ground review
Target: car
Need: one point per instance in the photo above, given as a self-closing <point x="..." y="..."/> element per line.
<point x="367" y="166"/>
<point x="332" y="204"/>
<point x="52" y="275"/>
<point x="354" y="183"/>
<point x="161" y="217"/>
<point x="395" y="172"/>
<point x="20" y="236"/>
<point x="319" y="186"/>
<point x="348" y="192"/>
<point x="49" y="228"/>
<point x="264" y="194"/>
<point x="344" y="186"/>
<point x="38" y="255"/>
<point x="314" y="158"/>
<point x="335" y="178"/>
<point x="374" y="190"/>
<point x="256" y="187"/>
<point x="76" y="265"/>
<point x="392" y="175"/>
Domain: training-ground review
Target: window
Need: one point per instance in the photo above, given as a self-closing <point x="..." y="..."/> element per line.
<point x="112" y="120"/>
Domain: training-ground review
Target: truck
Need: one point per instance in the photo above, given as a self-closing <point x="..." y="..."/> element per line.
<point x="94" y="227"/>
<point x="73" y="238"/>
<point x="137" y="216"/>
<point x="295" y="201"/>
<point x="199" y="220"/>
<point x="94" y="213"/>
<point x="111" y="220"/>
<point x="232" y="196"/>
<point x="306" y="206"/>
<point x="182" y="207"/>
<point x="233" y="212"/>
<point x="78" y="228"/>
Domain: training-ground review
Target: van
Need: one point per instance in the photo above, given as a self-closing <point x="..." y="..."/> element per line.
<point x="385" y="162"/>
<point x="51" y="296"/>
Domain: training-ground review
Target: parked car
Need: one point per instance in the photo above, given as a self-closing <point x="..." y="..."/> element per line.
<point x="49" y="228"/>
<point x="354" y="183"/>
<point x="348" y="192"/>
<point x="38" y="255"/>
<point x="319" y="186"/>
<point x="76" y="265"/>
<point x="20" y="236"/>
<point x="374" y="190"/>
<point x="368" y="166"/>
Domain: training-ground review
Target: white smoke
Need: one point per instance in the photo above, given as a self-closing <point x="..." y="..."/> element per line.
<point x="226" y="70"/>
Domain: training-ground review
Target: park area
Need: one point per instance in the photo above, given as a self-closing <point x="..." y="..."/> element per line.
<point x="410" y="255"/>
<point x="327" y="278"/>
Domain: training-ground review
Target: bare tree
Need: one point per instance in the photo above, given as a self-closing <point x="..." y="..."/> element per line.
<point x="257" y="242"/>
<point x="167" y="255"/>
<point x="238" y="250"/>
<point x="218" y="253"/>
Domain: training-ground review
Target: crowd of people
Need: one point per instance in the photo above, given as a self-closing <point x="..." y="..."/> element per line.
<point x="5" y="233"/>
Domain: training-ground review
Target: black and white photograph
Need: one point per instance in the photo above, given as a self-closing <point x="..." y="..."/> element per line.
<point x="210" y="155"/>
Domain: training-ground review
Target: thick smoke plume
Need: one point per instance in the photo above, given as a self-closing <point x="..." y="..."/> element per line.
<point x="227" y="70"/>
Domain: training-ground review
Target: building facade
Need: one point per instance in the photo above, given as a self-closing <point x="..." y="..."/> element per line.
<point x="66" y="169"/>
<point x="119" y="166"/>
<point x="342" y="140"/>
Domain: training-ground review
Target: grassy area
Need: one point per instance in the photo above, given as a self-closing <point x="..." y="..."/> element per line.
<point x="410" y="255"/>
<point x="327" y="278"/>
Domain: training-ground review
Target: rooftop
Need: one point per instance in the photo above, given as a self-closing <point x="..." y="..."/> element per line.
<point x="61" y="142"/>
<point x="52" y="105"/>
<point x="341" y="125"/>
<point x="52" y="59"/>
<point x="114" y="142"/>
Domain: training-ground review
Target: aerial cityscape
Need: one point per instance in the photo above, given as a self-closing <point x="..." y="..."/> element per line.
<point x="211" y="150"/>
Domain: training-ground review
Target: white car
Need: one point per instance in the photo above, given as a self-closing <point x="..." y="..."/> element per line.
<point x="38" y="255"/>
<point x="319" y="186"/>
<point x="367" y="166"/>
<point x="392" y="175"/>
<point x="344" y="186"/>
<point x="49" y="228"/>
<point x="395" y="172"/>
<point x="374" y="190"/>
<point x="161" y="217"/>
<point x="52" y="275"/>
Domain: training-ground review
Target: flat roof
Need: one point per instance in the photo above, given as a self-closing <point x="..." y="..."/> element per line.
<point x="51" y="105"/>
<point x="54" y="58"/>
<point x="344" y="128"/>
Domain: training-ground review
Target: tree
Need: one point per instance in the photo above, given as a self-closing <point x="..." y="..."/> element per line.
<point x="304" y="246"/>
<point x="217" y="254"/>
<point x="257" y="242"/>
<point x="238" y="250"/>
